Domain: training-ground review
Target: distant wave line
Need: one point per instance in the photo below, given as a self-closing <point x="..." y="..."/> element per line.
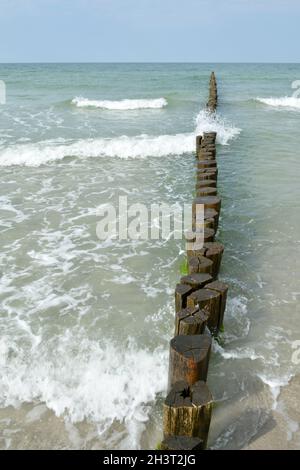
<point x="121" y="105"/>
<point x="283" y="102"/>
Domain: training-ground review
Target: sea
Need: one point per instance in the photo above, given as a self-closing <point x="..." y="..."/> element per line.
<point x="85" y="323"/>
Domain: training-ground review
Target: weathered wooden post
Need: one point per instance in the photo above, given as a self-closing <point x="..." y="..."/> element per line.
<point x="187" y="411"/>
<point x="206" y="164"/>
<point x="209" y="202"/>
<point x="207" y="174"/>
<point x="206" y="191"/>
<point x="189" y="358"/>
<point x="213" y="94"/>
<point x="193" y="265"/>
<point x="211" y="217"/>
<point x="190" y="321"/>
<point x="196" y="281"/>
<point x="209" y="235"/>
<point x="210" y="301"/>
<point x="199" y="264"/>
<point x="198" y="143"/>
<point x="181" y="293"/>
<point x="222" y="289"/>
<point x="206" y="183"/>
<point x="214" y="252"/>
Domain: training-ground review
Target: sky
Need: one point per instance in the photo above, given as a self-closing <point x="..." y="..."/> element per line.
<point x="149" y="30"/>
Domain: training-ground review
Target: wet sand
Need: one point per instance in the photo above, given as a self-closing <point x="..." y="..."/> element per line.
<point x="282" y="429"/>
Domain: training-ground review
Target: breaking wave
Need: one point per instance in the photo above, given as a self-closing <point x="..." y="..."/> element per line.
<point x="83" y="379"/>
<point x="121" y="105"/>
<point x="142" y="146"/>
<point x="284" y="102"/>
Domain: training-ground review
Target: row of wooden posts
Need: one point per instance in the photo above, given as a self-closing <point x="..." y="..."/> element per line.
<point x="200" y="301"/>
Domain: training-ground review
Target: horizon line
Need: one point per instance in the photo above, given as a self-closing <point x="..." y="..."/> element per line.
<point x="143" y="62"/>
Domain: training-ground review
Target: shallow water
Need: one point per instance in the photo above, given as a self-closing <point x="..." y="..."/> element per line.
<point x="85" y="324"/>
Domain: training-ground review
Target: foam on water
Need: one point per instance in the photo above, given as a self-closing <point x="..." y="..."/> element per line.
<point x="284" y="102"/>
<point x="238" y="353"/>
<point x="121" y="105"/>
<point x="275" y="384"/>
<point x="69" y="302"/>
<point x="141" y="146"/>
<point x="82" y="379"/>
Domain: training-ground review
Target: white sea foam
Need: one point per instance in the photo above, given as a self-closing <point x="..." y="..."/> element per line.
<point x="283" y="102"/>
<point x="275" y="384"/>
<point x="141" y="146"/>
<point x="238" y="353"/>
<point x="82" y="379"/>
<point x="121" y="105"/>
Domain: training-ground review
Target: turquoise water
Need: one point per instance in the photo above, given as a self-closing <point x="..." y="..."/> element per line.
<point x="85" y="324"/>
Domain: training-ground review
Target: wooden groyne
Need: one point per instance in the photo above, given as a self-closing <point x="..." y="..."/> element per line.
<point x="213" y="93"/>
<point x="200" y="302"/>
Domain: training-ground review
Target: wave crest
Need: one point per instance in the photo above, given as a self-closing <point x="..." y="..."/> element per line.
<point x="121" y="105"/>
<point x="284" y="102"/>
<point x="141" y="146"/>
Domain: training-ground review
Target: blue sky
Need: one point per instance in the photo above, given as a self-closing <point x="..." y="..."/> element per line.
<point x="149" y="30"/>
